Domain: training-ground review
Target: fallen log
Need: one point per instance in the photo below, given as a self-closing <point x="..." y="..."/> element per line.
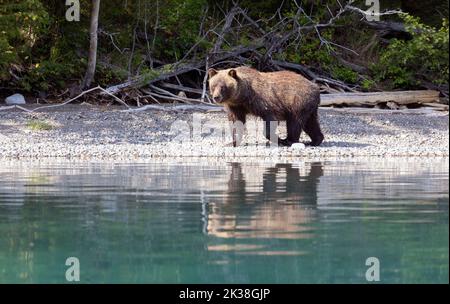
<point x="374" y="98"/>
<point x="419" y="111"/>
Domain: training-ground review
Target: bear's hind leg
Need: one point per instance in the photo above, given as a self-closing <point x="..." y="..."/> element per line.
<point x="270" y="129"/>
<point x="312" y="128"/>
<point x="294" y="130"/>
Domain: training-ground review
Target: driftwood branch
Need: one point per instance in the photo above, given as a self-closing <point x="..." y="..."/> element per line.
<point x="226" y="27"/>
<point x="181" y="88"/>
<point x="65" y="102"/>
<point x="177" y="108"/>
<point x="172" y="70"/>
<point x="313" y="76"/>
<point x="14" y="107"/>
<point x="78" y="96"/>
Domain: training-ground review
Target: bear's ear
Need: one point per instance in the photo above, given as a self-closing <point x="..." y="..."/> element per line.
<point x="212" y="72"/>
<point x="232" y="73"/>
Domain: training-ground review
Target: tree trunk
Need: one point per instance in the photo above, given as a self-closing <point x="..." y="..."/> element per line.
<point x="92" y="60"/>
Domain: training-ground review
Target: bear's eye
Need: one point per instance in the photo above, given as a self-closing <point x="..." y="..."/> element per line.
<point x="217" y="88"/>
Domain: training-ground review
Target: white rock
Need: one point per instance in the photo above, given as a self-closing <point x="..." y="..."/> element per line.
<point x="298" y="146"/>
<point x="16" y="99"/>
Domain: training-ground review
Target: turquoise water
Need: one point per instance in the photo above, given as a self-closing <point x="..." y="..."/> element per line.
<point x="219" y="222"/>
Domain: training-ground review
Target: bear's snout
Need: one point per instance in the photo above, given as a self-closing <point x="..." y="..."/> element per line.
<point x="217" y="98"/>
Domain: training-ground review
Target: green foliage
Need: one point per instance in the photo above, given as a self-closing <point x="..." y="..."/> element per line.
<point x="41" y="51"/>
<point x="423" y="58"/>
<point x="7" y="56"/>
<point x="38" y="46"/>
<point x="21" y="25"/>
<point x="344" y="74"/>
<point x="181" y="22"/>
<point x="309" y="51"/>
<point x="39" y="125"/>
<point x="48" y="75"/>
<point x="368" y="84"/>
<point x="149" y="74"/>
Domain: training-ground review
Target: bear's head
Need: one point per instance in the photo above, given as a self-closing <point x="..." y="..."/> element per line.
<point x="223" y="85"/>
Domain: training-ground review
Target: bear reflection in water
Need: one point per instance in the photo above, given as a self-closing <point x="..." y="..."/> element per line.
<point x="281" y="205"/>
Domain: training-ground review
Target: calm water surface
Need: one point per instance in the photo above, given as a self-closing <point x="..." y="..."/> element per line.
<point x="197" y="222"/>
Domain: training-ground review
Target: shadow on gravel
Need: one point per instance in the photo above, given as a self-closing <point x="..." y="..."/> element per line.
<point x="421" y="124"/>
<point x="330" y="144"/>
<point x="325" y="144"/>
<point x="5" y="130"/>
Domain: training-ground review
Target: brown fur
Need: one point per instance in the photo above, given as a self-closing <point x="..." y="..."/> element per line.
<point x="274" y="96"/>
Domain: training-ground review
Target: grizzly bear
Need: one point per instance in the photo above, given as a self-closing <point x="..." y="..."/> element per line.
<point x="274" y="96"/>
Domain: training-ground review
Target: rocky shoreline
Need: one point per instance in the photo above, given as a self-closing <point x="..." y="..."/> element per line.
<point x="108" y="132"/>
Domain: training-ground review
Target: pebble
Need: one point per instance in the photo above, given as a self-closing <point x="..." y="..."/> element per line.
<point x="298" y="146"/>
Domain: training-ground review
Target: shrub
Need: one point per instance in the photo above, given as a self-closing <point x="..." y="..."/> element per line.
<point x="424" y="58"/>
<point x="21" y="24"/>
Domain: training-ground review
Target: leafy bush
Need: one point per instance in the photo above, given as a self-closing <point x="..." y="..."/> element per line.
<point x="344" y="74"/>
<point x="21" y="24"/>
<point x="367" y="84"/>
<point x="48" y="75"/>
<point x="424" y="58"/>
<point x="41" y="51"/>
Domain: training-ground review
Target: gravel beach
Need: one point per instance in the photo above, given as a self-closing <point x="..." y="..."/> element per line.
<point x="108" y="132"/>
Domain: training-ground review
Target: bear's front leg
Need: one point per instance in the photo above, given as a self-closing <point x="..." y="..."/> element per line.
<point x="237" y="118"/>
